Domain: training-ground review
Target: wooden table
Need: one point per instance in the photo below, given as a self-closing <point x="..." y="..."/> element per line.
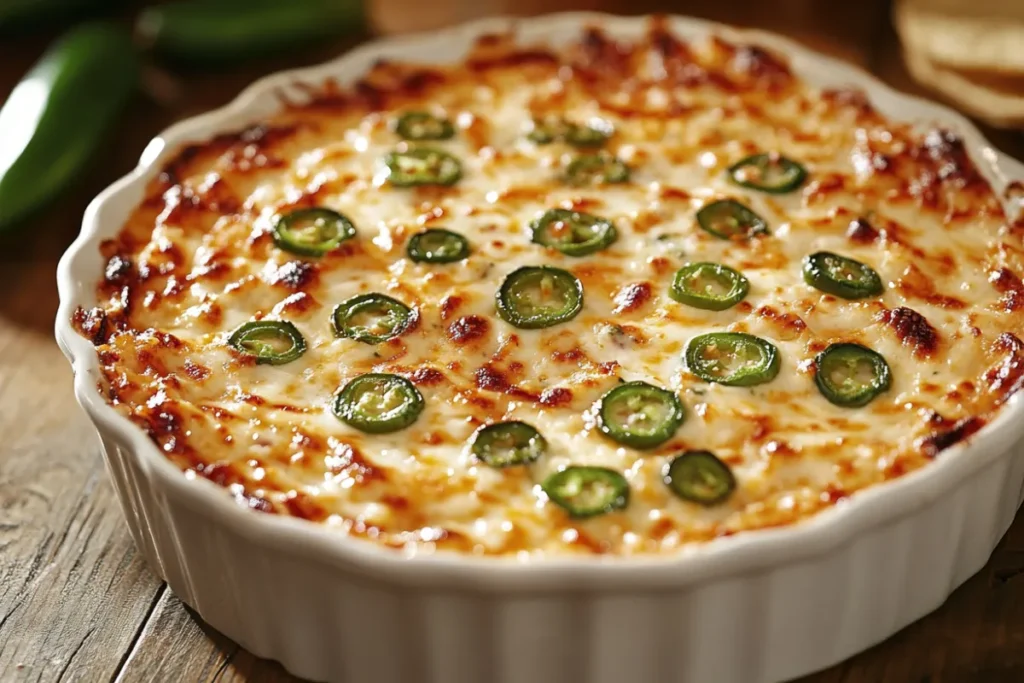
<point x="76" y="600"/>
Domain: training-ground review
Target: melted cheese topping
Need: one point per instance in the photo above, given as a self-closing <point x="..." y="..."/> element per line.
<point x="197" y="259"/>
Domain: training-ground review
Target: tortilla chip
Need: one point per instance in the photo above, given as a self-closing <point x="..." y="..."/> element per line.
<point x="968" y="93"/>
<point x="976" y="35"/>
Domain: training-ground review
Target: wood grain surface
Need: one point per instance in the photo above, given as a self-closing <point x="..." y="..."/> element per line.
<point x="76" y="600"/>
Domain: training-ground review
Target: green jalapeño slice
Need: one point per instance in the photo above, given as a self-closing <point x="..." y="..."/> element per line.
<point x="710" y="286"/>
<point x="771" y="173"/>
<point x="422" y="166"/>
<point x="419" y="125"/>
<point x="312" y="232"/>
<point x="639" y="415"/>
<point x="371" y="318"/>
<point x="533" y="297"/>
<point x="508" y="443"/>
<point x="730" y="220"/>
<point x="841" y="276"/>
<point x="851" y="375"/>
<point x="574" y="233"/>
<point x="555" y="128"/>
<point x="378" y="403"/>
<point x="270" y="342"/>
<point x="596" y="169"/>
<point x="700" y="477"/>
<point x="438" y="246"/>
<point x="734" y="359"/>
<point x="587" y="491"/>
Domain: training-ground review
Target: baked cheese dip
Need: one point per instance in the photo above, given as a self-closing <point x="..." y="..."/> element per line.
<point x="618" y="297"/>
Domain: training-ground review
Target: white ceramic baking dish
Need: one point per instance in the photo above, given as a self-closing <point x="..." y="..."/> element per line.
<point x="760" y="606"/>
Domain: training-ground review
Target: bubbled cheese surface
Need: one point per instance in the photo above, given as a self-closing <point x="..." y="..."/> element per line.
<point x="197" y="259"/>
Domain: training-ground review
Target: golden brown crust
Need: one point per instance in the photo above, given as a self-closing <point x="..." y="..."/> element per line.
<point x="197" y="258"/>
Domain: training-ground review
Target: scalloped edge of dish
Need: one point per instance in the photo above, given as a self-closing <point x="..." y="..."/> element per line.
<point x="219" y="556"/>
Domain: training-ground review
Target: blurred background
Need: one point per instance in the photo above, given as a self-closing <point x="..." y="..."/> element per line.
<point x="81" y="102"/>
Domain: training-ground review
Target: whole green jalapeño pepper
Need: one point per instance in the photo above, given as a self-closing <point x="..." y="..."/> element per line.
<point x="211" y="32"/>
<point x="57" y="117"/>
<point x="18" y="14"/>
